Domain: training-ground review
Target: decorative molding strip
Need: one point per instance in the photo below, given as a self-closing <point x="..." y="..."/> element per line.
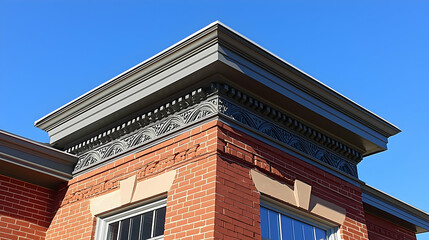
<point x="237" y="113"/>
<point x="147" y="170"/>
<point x="203" y="103"/>
<point x="140" y="121"/>
<point x="287" y="121"/>
<point x="179" y="120"/>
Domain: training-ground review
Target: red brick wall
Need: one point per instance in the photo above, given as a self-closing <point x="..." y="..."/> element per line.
<point x="191" y="153"/>
<point x="191" y="201"/>
<point x="242" y="152"/>
<point x="380" y="229"/>
<point x="25" y="209"/>
<point x="212" y="198"/>
<point x="237" y="202"/>
<point x="213" y="195"/>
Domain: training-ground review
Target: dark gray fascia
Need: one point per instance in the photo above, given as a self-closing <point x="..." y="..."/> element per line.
<point x="218" y="49"/>
<point x="34" y="162"/>
<point x="289" y="73"/>
<point x="223" y="102"/>
<point x="395" y="207"/>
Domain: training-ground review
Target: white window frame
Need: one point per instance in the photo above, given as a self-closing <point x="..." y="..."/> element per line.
<point x="104" y="220"/>
<point x="332" y="229"/>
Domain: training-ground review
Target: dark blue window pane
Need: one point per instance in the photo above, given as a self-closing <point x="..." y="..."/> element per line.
<point x="287" y="228"/>
<point x="135" y="227"/>
<point x="274" y="225"/>
<point x="298" y="230"/>
<point x="125" y="229"/>
<point x="308" y="231"/>
<point x="159" y="222"/>
<point x="265" y="224"/>
<point x="320" y="234"/>
<point x="112" y="233"/>
<point x="146" y="226"/>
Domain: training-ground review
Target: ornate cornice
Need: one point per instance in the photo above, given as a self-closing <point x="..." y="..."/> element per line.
<point x="172" y="116"/>
<point x="284" y="136"/>
<point x="285" y="121"/>
<point x="278" y="126"/>
<point x="157" y="62"/>
<point x="221" y="100"/>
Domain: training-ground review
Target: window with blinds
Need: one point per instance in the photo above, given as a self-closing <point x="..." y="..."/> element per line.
<point x="279" y="225"/>
<point x="141" y="227"/>
<point x="144" y="222"/>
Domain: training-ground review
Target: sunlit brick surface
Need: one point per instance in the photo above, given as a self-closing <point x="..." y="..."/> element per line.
<point x="25" y="209"/>
<point x="212" y="197"/>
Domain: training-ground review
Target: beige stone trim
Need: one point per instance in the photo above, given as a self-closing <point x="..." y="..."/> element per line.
<point x="105" y="202"/>
<point x="300" y="196"/>
<point x="302" y="193"/>
<point x="327" y="210"/>
<point x="273" y="188"/>
<point x="126" y="188"/>
<point x="154" y="186"/>
<point x="131" y="191"/>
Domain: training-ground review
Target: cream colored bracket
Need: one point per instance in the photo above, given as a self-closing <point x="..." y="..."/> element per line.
<point x="300" y="196"/>
<point x="131" y="191"/>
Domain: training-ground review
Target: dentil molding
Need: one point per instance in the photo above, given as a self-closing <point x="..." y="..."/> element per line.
<point x="216" y="100"/>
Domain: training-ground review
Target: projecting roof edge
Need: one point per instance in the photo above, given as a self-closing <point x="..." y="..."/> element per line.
<point x="118" y="78"/>
<point x="348" y="107"/>
<point x="36" y="156"/>
<point x="313" y="86"/>
<point x="41" y="148"/>
<point x="28" y="164"/>
<point x="396" y="207"/>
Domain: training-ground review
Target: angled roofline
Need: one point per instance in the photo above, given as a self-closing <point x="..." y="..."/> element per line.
<point x="36" y="157"/>
<point x="43" y="148"/>
<point x="120" y="76"/>
<point x="374" y="121"/>
<point x="396" y="207"/>
<point x="388" y="129"/>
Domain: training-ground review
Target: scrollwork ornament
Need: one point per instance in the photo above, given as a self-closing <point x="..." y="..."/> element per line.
<point x="147" y="133"/>
<point x="179" y="115"/>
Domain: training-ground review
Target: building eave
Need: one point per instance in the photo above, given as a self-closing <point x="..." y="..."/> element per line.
<point x="321" y="90"/>
<point x="395" y="207"/>
<point x="224" y="44"/>
<point x="114" y="83"/>
<point x="35" y="162"/>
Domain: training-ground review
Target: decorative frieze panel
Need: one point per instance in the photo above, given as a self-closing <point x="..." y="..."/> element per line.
<point x="150" y="132"/>
<point x="286" y="121"/>
<point x="222" y="100"/>
<point x="255" y="122"/>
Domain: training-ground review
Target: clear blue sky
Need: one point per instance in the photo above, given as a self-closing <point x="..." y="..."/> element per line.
<point x="374" y="52"/>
